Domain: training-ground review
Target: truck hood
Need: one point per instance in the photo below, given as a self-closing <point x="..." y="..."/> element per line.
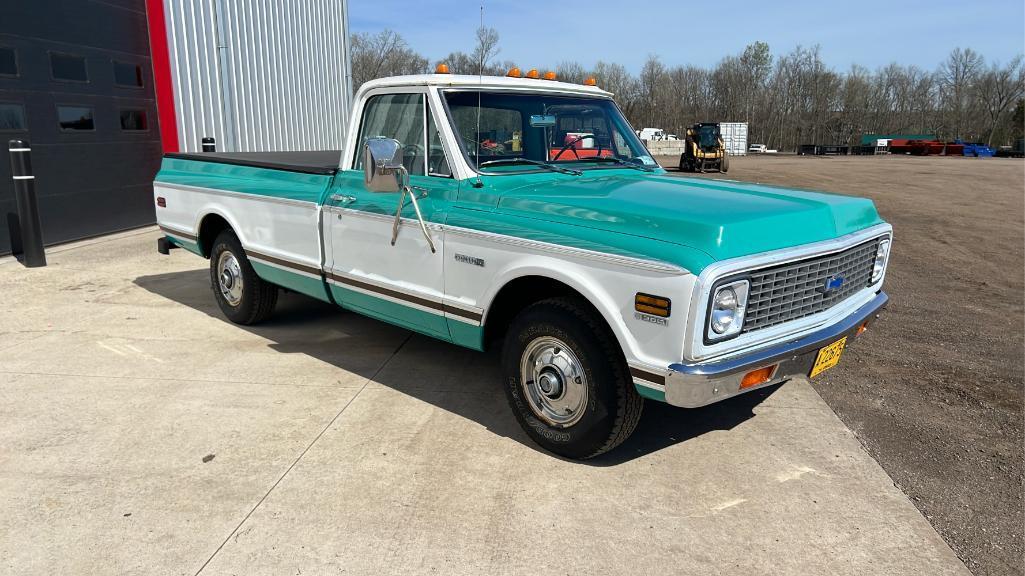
<point x="720" y="218"/>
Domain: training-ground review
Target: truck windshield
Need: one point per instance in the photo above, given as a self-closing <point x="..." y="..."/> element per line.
<point x="524" y="131"/>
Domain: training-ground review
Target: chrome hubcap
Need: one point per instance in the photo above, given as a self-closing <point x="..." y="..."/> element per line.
<point x="229" y="278"/>
<point x="553" y="382"/>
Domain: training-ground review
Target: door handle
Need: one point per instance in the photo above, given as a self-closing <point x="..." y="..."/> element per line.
<point x="341" y="198"/>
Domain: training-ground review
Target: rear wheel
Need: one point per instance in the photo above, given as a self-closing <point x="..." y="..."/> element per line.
<point x="567" y="381"/>
<point x="244" y="297"/>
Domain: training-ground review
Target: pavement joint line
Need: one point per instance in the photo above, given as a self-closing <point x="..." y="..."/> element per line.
<point x="303" y="453"/>
<point x="161" y="379"/>
<point x="74" y="244"/>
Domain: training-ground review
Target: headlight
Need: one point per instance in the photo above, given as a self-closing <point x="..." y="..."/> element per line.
<point x="882" y="254"/>
<point x="726" y="313"/>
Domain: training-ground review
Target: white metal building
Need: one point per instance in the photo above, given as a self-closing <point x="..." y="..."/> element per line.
<point x="259" y="75"/>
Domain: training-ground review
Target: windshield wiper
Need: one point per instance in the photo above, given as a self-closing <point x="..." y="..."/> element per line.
<point x="510" y="161"/>
<point x="621" y="162"/>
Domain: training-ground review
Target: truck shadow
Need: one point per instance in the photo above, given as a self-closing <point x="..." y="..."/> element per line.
<point x="452" y="378"/>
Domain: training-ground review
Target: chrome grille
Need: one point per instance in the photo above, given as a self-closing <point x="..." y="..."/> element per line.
<point x="794" y="290"/>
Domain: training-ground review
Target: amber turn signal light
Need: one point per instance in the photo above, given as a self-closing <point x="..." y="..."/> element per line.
<point x="756" y="377"/>
<point x="441" y="69"/>
<point x="654" y="305"/>
<point x="862" y="328"/>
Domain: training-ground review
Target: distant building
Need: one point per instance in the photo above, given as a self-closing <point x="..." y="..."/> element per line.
<point x="102" y="89"/>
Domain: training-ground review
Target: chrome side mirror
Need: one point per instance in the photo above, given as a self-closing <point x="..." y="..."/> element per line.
<point x="383" y="171"/>
<point x="382" y="165"/>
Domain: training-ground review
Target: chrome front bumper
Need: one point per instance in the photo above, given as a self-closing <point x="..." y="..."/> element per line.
<point x="701" y="383"/>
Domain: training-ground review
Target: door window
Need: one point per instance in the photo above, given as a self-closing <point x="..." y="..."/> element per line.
<point x="398" y="116"/>
<point x="437" y="163"/>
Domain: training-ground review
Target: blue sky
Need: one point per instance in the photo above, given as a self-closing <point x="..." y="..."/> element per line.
<point x="542" y="33"/>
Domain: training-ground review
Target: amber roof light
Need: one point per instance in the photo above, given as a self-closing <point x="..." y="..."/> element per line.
<point x="533" y="73"/>
<point x="591" y="82"/>
<point x="441" y="69"/>
<point x="549" y="75"/>
<point x="514" y="72"/>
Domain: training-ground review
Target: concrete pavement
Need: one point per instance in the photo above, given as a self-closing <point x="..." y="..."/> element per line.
<point x="141" y="433"/>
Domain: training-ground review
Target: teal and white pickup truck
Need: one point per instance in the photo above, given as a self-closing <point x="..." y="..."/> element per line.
<point x="526" y="214"/>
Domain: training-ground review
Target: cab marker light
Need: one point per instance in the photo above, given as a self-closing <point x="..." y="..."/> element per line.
<point x="442" y="68"/>
<point x="654" y="305"/>
<point x="533" y="73"/>
<point x="514" y="72"/>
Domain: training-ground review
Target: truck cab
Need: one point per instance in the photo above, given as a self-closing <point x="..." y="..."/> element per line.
<point x="527" y="215"/>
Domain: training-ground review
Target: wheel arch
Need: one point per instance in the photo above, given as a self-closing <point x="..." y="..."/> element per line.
<point x="519" y="291"/>
<point x="210" y="225"/>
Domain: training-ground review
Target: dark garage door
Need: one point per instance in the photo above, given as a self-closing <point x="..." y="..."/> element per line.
<point x="80" y="90"/>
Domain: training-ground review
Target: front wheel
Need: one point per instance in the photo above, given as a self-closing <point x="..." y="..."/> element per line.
<point x="567" y="381"/>
<point x="244" y="297"/>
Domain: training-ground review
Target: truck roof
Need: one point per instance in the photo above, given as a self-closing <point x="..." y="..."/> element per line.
<point x="488" y="82"/>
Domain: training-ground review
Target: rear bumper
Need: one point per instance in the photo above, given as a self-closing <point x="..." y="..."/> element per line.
<point x="701" y="383"/>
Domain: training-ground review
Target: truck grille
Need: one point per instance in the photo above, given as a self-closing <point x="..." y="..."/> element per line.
<point x="791" y="291"/>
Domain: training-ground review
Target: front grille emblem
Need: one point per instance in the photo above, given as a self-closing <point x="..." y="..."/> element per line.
<point x="830" y="284"/>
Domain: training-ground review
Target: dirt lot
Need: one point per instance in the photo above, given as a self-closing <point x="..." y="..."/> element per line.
<point x="936" y="393"/>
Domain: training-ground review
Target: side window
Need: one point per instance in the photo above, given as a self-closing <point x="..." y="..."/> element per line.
<point x="398" y="116"/>
<point x="73" y="118"/>
<point x="127" y="74"/>
<point x="437" y="163"/>
<point x="12" y="117"/>
<point x="8" y="62"/>
<point x="68" y="67"/>
<point x="134" y="120"/>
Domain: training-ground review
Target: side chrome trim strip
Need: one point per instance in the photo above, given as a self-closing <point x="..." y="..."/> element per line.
<point x="179" y="233"/>
<point x="297" y="266"/>
<point x="233" y="194"/>
<point x="431" y="305"/>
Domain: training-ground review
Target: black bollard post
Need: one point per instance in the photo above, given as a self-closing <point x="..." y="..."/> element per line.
<point x="28" y="210"/>
<point x="208" y="144"/>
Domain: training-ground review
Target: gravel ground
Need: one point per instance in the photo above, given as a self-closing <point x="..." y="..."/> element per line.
<point x="936" y="393"/>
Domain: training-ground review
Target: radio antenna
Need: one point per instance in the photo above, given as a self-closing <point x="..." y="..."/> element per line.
<point x="480" y="85"/>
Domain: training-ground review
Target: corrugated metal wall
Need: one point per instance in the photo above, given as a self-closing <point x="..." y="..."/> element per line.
<point x="260" y="75"/>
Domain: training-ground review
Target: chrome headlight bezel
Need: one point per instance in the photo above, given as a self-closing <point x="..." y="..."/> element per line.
<point x="726" y="296"/>
<point x="881" y="260"/>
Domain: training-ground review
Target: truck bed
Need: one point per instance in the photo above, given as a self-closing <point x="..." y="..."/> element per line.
<point x="310" y="162"/>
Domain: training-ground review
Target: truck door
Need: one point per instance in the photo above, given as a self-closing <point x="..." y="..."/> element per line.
<point x="401" y="283"/>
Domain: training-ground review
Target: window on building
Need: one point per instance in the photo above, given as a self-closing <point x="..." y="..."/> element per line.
<point x="72" y="118"/>
<point x="8" y="62"/>
<point x="134" y="120"/>
<point x="12" y="117"/>
<point x="68" y="67"/>
<point x="127" y="74"/>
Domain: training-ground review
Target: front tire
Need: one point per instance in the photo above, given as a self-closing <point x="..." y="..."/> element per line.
<point x="567" y="381"/>
<point x="244" y="297"/>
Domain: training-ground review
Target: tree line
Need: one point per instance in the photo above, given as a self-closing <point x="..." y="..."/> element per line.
<point x="787" y="99"/>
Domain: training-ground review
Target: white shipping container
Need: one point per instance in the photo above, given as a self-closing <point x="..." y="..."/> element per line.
<point x="260" y="76"/>
<point x="734" y="136"/>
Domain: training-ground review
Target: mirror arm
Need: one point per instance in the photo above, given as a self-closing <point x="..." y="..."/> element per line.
<point x="403" y="189"/>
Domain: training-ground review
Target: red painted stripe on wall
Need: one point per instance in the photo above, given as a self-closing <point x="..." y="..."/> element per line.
<point x="162" y="84"/>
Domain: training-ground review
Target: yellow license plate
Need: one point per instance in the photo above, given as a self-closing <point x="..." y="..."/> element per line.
<point x="828" y="357"/>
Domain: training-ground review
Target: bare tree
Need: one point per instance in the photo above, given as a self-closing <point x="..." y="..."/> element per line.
<point x="999" y="88"/>
<point x="382" y="54"/>
<point x="958" y="76"/>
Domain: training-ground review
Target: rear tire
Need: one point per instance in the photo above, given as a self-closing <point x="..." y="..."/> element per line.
<point x="244" y="297"/>
<point x="567" y="381"/>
